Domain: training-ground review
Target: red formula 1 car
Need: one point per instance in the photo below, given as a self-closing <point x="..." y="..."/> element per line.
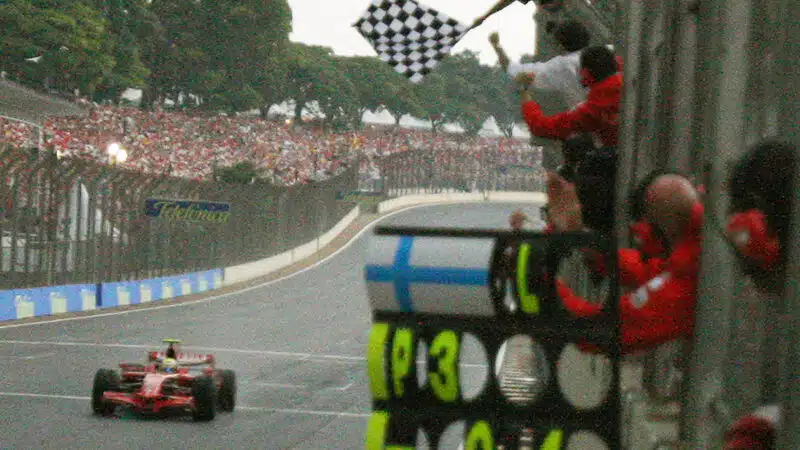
<point x="170" y="382"/>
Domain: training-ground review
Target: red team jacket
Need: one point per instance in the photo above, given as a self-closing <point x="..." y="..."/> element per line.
<point x="599" y="114"/>
<point x="635" y="269"/>
<point x="756" y="431"/>
<point x="662" y="309"/>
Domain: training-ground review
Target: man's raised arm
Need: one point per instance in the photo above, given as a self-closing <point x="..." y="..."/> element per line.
<point x="502" y="56"/>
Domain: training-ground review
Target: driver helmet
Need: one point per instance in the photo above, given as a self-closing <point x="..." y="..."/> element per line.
<point x="169" y="365"/>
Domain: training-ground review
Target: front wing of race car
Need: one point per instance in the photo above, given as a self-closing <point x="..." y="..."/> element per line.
<point x="156" y="392"/>
<point x="155" y="404"/>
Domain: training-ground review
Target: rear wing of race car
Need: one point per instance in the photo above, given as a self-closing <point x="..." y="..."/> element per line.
<point x="186" y="359"/>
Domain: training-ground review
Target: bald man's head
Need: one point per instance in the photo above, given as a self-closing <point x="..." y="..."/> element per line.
<point x="668" y="203"/>
<point x="665" y="200"/>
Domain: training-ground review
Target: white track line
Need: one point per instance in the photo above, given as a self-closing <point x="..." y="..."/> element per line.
<point x="298" y="355"/>
<point x="307" y="412"/>
<point x="28" y="358"/>
<point x="217" y="297"/>
<point x="303" y="386"/>
<point x="51" y="396"/>
<point x="282" y="385"/>
<point x="344" y="388"/>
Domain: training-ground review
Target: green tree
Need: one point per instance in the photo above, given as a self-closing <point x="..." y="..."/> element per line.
<point x="241" y="173"/>
<point x="381" y="88"/>
<point x="240" y="37"/>
<point x="172" y="53"/>
<point x="273" y="82"/>
<point x="434" y="103"/>
<point x="454" y="92"/>
<point x="338" y="96"/>
<point x="402" y="97"/>
<point x="67" y="38"/>
<point x="503" y="102"/>
<point x="310" y="69"/>
<point x="224" y="53"/>
<point x="376" y="84"/>
<point x="124" y="18"/>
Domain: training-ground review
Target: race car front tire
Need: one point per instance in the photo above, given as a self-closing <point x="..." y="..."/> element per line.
<point x="205" y="398"/>
<point x="227" y="391"/>
<point x="104" y="380"/>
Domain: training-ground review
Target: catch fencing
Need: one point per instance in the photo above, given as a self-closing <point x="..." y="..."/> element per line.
<point x="458" y="169"/>
<point x="72" y="221"/>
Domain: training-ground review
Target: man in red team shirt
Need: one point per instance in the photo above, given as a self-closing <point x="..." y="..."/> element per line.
<point x="759" y="228"/>
<point x="599" y="114"/>
<point x="660" y="308"/>
<point x="663" y="309"/>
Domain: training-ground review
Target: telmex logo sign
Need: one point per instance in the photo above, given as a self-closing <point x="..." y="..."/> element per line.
<point x="187" y="210"/>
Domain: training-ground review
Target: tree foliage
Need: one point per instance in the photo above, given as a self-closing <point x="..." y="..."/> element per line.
<point x="241" y="173"/>
<point x="460" y="91"/>
<point x="61" y="44"/>
<point x="232" y="55"/>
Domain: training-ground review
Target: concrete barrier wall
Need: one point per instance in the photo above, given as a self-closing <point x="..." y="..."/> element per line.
<point x="111" y="295"/>
<point x="52" y="300"/>
<point x="46" y="301"/>
<point x="255" y="269"/>
<point x="461" y="197"/>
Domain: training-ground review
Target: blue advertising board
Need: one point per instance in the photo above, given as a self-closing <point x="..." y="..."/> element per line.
<point x="125" y="293"/>
<point x="45" y="301"/>
<point x="188" y="210"/>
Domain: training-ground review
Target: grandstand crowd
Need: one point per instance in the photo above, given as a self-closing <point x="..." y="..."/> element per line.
<point x="191" y="145"/>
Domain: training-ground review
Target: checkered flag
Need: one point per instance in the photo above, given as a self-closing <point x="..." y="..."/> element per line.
<point x="411" y="37"/>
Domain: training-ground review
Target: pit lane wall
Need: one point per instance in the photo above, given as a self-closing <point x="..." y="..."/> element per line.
<point x="54" y="300"/>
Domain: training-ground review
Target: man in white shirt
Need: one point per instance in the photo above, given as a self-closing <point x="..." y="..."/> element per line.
<point x="559" y="74"/>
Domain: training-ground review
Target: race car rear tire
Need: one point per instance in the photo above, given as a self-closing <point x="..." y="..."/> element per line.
<point x="205" y="398"/>
<point x="227" y="391"/>
<point x="104" y="380"/>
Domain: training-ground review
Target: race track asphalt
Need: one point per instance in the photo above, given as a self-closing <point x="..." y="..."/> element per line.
<point x="298" y="346"/>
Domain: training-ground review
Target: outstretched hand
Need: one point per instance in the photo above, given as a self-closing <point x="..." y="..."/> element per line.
<point x="564" y="207"/>
<point x="494" y="38"/>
